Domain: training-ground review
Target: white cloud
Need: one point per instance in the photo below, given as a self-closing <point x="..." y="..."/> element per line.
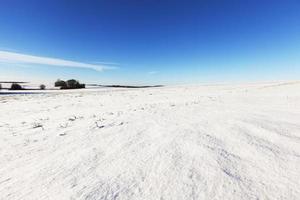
<point x="152" y="72"/>
<point x="105" y="63"/>
<point x="6" y="56"/>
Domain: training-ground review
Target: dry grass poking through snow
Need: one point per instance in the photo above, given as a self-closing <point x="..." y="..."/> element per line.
<point x="196" y="142"/>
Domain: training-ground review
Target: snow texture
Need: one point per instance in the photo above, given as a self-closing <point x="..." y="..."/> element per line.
<point x="184" y="142"/>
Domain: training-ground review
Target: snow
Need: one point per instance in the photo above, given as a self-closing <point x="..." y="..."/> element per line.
<point x="237" y="141"/>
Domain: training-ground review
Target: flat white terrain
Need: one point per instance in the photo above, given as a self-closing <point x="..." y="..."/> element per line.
<point x="184" y="142"/>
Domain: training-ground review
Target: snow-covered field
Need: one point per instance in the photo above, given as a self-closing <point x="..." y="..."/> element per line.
<point x="184" y="142"/>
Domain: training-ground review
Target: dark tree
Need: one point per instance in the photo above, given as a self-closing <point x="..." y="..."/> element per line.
<point x="60" y="83"/>
<point x="69" y="84"/>
<point x="42" y="87"/>
<point x="72" y="84"/>
<point x="81" y="85"/>
<point x="16" y="86"/>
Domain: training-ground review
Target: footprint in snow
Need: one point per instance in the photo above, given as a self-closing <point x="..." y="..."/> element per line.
<point x="38" y="125"/>
<point x="98" y="125"/>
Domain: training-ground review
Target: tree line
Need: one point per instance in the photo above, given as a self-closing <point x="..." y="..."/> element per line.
<point x="69" y="84"/>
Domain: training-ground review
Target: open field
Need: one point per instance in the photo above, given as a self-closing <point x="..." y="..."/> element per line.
<point x="183" y="142"/>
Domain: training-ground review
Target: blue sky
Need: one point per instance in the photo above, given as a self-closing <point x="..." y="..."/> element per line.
<point x="150" y="41"/>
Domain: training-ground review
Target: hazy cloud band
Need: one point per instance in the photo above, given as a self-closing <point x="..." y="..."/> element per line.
<point x="6" y="56"/>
